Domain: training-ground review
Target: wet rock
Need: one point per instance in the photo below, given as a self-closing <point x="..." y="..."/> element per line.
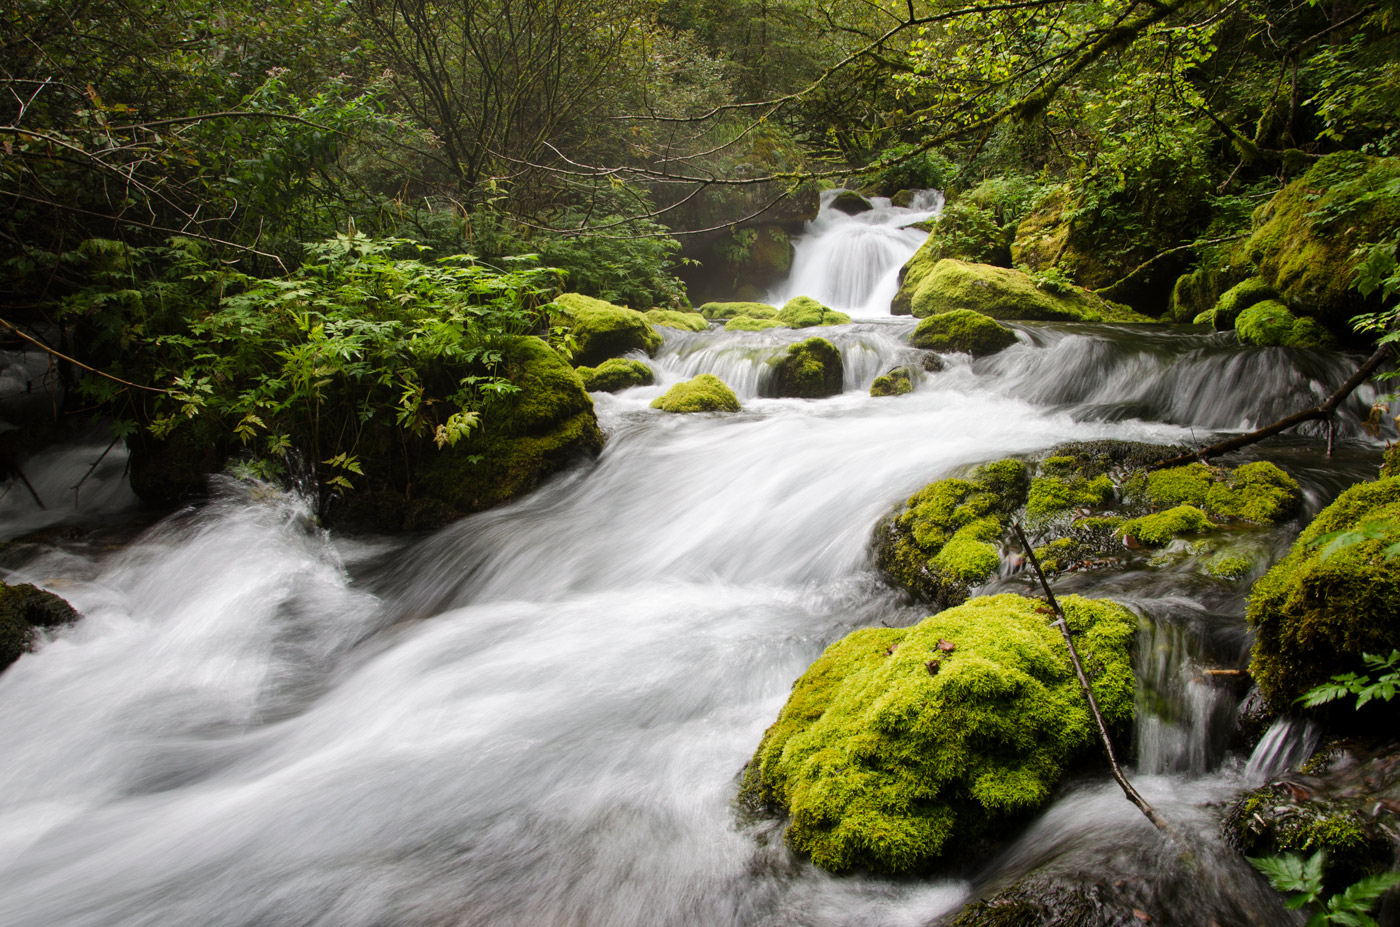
<point x="962" y="331"/>
<point x="851" y="203"/>
<point x="810" y="370"/>
<point x="896" y="382"/>
<point x="705" y="393"/>
<point x="25" y="610"/>
<point x="602" y="330"/>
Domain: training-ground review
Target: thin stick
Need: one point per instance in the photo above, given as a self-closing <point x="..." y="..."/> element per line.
<point x="43" y="347"/>
<point x="1132" y="794"/>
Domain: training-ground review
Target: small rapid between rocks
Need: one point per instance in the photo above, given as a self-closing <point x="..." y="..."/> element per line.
<point x="537" y="715"/>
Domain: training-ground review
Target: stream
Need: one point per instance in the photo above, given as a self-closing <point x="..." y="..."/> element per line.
<point x="538" y="715"/>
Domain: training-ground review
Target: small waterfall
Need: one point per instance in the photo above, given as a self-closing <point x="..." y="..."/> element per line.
<point x="1288" y="742"/>
<point x="852" y="263"/>
<point x="82" y="481"/>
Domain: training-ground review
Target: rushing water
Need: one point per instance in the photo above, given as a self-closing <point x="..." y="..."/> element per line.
<point x="536" y="716"/>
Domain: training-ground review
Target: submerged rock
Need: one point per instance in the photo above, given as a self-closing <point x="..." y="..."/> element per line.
<point x="24" y="611"/>
<point x="705" y="393"/>
<point x="962" y="331"/>
<point x="901" y="745"/>
<point x="602" y="330"/>
<point x="615" y="374"/>
<point x="809" y="370"/>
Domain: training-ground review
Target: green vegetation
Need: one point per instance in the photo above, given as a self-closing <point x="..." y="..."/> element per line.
<point x="806" y="312"/>
<point x="1156" y="530"/>
<point x="718" y="312"/>
<point x="896" y="382"/>
<point x="1270" y="323"/>
<point x="962" y="330"/>
<point x="601" y="330"/>
<point x="899" y="745"/>
<point x="615" y="374"/>
<point x="669" y="318"/>
<point x="1007" y="294"/>
<point x="811" y="369"/>
<point x="705" y="393"/>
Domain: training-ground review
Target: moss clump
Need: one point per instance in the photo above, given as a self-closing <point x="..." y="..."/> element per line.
<point x="1051" y="495"/>
<point x="1305" y="239"/>
<point x="1390" y="463"/>
<point x="602" y="330"/>
<point x="1269" y="323"/>
<point x="963" y="331"/>
<point x="851" y="203"/>
<point x="705" y="393"/>
<point x="1236" y="300"/>
<point x="1156" y="530"/>
<point x="670" y="318"/>
<point x="1259" y="492"/>
<point x="744" y="323"/>
<point x="718" y="312"/>
<point x="25" y="609"/>
<point x="1314" y="618"/>
<point x="971" y="511"/>
<point x="1229" y="566"/>
<point x="895" y="383"/>
<point x="615" y="374"/>
<point x="806" y="312"/>
<point x="900" y="745"/>
<point x="1186" y="485"/>
<point x="541" y="429"/>
<point x="1008" y="294"/>
<point x="809" y="370"/>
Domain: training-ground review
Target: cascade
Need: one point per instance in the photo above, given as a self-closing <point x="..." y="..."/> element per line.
<point x="537" y="715"/>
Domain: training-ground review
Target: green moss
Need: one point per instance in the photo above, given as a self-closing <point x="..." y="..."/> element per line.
<point x="809" y="370"/>
<point x="670" y="318"/>
<point x="1156" y="530"/>
<point x="1186" y="485"/>
<point x="806" y="312"/>
<point x="963" y="331"/>
<point x="1269" y="323"/>
<point x="1390" y="462"/>
<point x="23" y="610"/>
<point x="1051" y="495"/>
<point x="1259" y="492"/>
<point x="602" y="330"/>
<point x="1314" y="618"/>
<point x="544" y="427"/>
<point x="705" y="393"/>
<point x="1305" y="239"/>
<point x="894" y="750"/>
<point x="974" y="510"/>
<point x="1235" y="300"/>
<point x="896" y="382"/>
<point x="1229" y="566"/>
<point x="615" y="374"/>
<point x="1002" y="293"/>
<point x="721" y="311"/>
<point x="743" y="323"/>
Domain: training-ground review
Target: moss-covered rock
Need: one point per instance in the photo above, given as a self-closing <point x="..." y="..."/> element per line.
<point x="718" y="312"/>
<point x="1159" y="528"/>
<point x="1235" y="300"/>
<point x="541" y="429"/>
<point x="24" y="610"/>
<point x="851" y="203"/>
<point x="809" y="370"/>
<point x="743" y="323"/>
<point x="1305" y="239"/>
<point x="1052" y="495"/>
<point x="900" y="745"/>
<point x="1003" y="293"/>
<point x="754" y="256"/>
<point x="1315" y="617"/>
<point x="806" y="312"/>
<point x="1269" y="323"/>
<point x="1257" y="492"/>
<point x="896" y="382"/>
<point x="671" y="318"/>
<point x="971" y="512"/>
<point x="1042" y="237"/>
<point x="602" y="330"/>
<point x="963" y="331"/>
<point x="705" y="393"/>
<point x="615" y="374"/>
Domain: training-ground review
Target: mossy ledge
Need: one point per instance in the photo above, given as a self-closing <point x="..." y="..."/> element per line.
<point x="900" y="745"/>
<point x="1002" y="293"/>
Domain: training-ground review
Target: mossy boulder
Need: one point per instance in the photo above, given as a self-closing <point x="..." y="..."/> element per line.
<point x="1053" y="495"/>
<point x="1002" y="293"/>
<point x="1159" y="528"/>
<point x="851" y="203"/>
<point x="1305" y="239"/>
<point x="615" y="374"/>
<point x="1235" y="300"/>
<point x="962" y="331"/>
<point x="743" y="323"/>
<point x="602" y="330"/>
<point x="896" y="382"/>
<point x="1315" y="617"/>
<point x="543" y="428"/>
<point x="942" y="541"/>
<point x="806" y="312"/>
<point x="1256" y="492"/>
<point x="809" y="370"/>
<point x="967" y="231"/>
<point x="671" y="318"/>
<point x="1269" y="323"/>
<point x="24" y="611"/>
<point x="705" y="393"/>
<point x="718" y="312"/>
<point x="900" y="746"/>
